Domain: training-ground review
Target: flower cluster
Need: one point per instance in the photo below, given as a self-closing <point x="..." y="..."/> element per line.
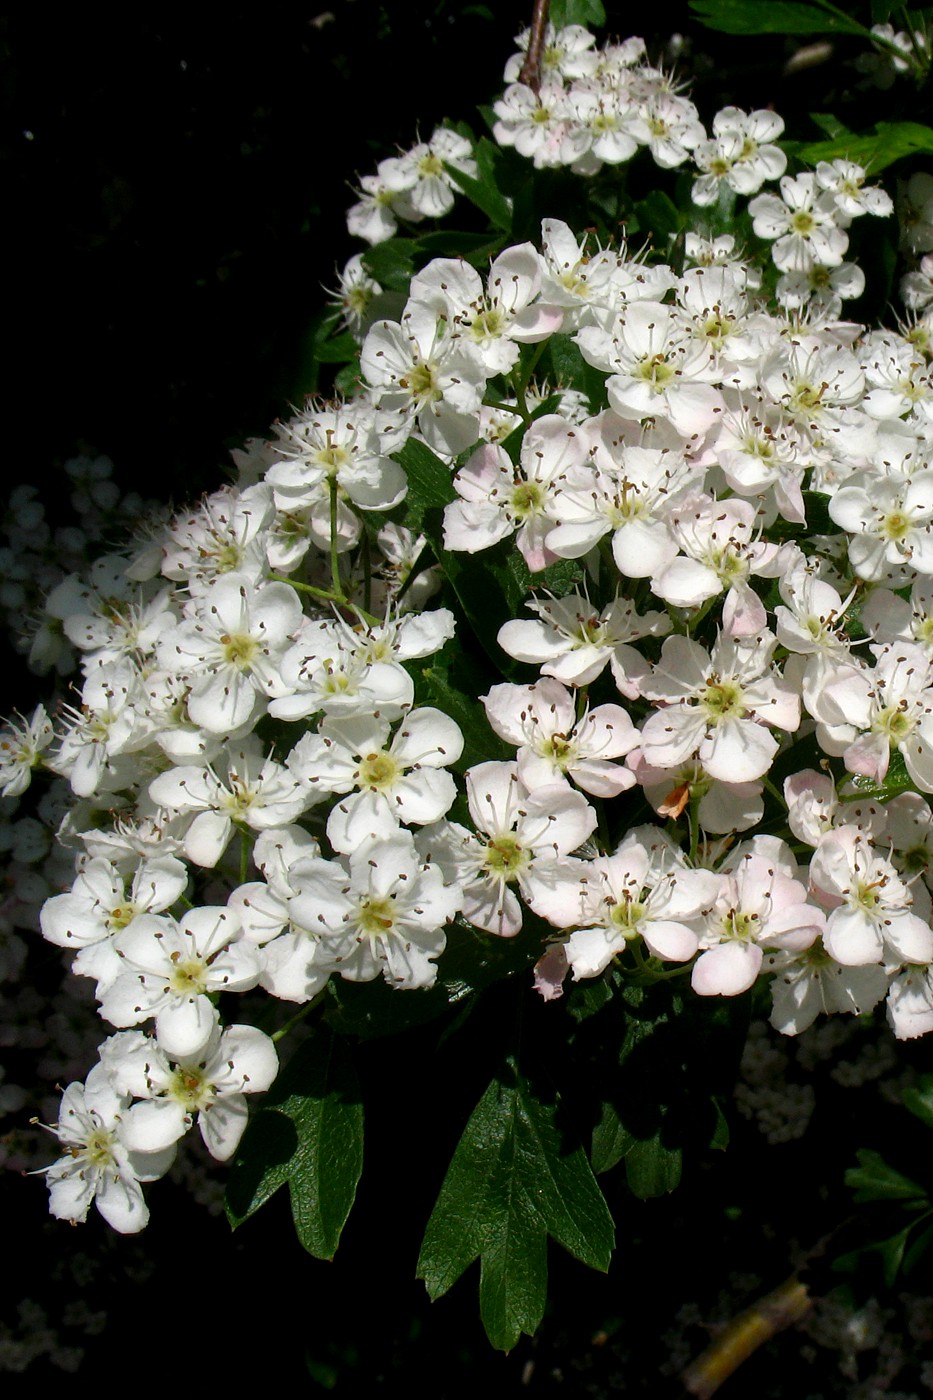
<point x="727" y="518"/>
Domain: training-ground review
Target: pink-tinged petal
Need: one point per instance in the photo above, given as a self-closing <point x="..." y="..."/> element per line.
<point x="643" y="548"/>
<point x="910" y="937"/>
<point x="869" y="756"/>
<point x="121" y="1203"/>
<point x="493" y="908"/>
<point x="591" y="950"/>
<point x="670" y="941"/>
<point x="207" y="838"/>
<point x="743" y="613"/>
<point x="727" y="970"/>
<point x="910" y="1005"/>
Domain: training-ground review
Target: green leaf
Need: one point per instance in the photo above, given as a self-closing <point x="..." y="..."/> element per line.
<point x="890" y="141"/>
<point x="829" y="125"/>
<point x="392" y="263"/>
<point x="309" y="1134"/>
<point x="659" y="219"/>
<point x="480" y="742"/>
<point x="513" y="1180"/>
<point x="338" y="348"/>
<point x="657" y="1066"/>
<point x="920" y="1100"/>
<point x="589" y="13"/>
<point x="874" y="1180"/>
<point x="571" y="371"/>
<point x="475" y="248"/>
<point x="484" y="191"/>
<point x="430" y="483"/>
<point x="721" y="1133"/>
<point x="771" y="17"/>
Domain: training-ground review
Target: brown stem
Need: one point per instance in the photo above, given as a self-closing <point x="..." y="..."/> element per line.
<point x="531" y="68"/>
<point x="745" y="1334"/>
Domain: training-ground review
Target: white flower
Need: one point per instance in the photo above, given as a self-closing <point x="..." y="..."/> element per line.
<point x="804" y="223"/>
<point x="421" y="370"/>
<point x="171" y="972"/>
<point x="210" y="1087"/>
<point x="716" y="705"/>
<point x="871" y="919"/>
<point x="98" y="1166"/>
<point x="420" y="186"/>
<point x="230" y="648"/>
<point x="382" y="910"/>
<point x="574" y="643"/>
<point x="21" y="747"/>
<point x="387" y="782"/>
<point x="541" y="719"/>
<point x="517" y="833"/>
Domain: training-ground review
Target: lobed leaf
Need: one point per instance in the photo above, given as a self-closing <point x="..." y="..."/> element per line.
<point x="513" y="1180"/>
<point x="890" y="142"/>
<point x="309" y="1134"/>
<point x="772" y="17"/>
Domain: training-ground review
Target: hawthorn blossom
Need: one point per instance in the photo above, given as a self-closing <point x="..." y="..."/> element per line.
<point x="420" y="186"/>
<point x="760" y="904"/>
<point x="716" y="706"/>
<point x="740" y="156"/>
<point x="498" y="498"/>
<point x="574" y="643"/>
<point x="871" y="918"/>
<point x="634" y="893"/>
<point x="804" y="224"/>
<point x="208" y="1088"/>
<point x="421" y="370"/>
<point x="553" y="744"/>
<point x="656" y="368"/>
<point x="517" y="834"/>
<point x="98" y="1166"/>
<point x="382" y="781"/>
<point x="229" y="647"/>
<point x="171" y="971"/>
<point x="382" y="909"/>
<point x="255" y="791"/>
<point x="21" y="746"/>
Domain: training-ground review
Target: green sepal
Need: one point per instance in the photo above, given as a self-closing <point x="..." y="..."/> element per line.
<point x="308" y="1134"/>
<point x="514" y="1179"/>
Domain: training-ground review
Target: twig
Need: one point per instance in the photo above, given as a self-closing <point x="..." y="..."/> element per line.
<point x="531" y="68"/>
<point x="745" y="1334"/>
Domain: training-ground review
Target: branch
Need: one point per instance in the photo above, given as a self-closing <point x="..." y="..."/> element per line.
<point x="531" y="68"/>
<point x="745" y="1334"/>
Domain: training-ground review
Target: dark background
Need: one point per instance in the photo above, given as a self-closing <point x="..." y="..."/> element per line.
<point x="176" y="186"/>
